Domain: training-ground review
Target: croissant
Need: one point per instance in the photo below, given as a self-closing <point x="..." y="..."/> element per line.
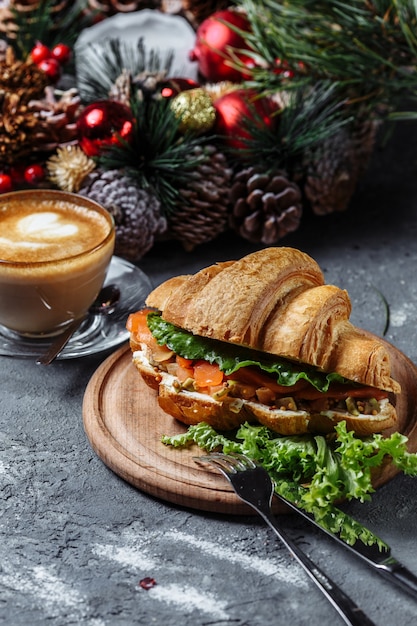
<point x="275" y="343"/>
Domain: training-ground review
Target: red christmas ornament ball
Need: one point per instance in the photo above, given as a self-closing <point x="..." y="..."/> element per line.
<point x="6" y="183"/>
<point x="103" y="124"/>
<point x="214" y="39"/>
<point x="236" y="110"/>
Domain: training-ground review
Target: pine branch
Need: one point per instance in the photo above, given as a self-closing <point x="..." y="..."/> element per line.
<point x="308" y="117"/>
<point x="159" y="155"/>
<point x="367" y="48"/>
<point x="101" y="64"/>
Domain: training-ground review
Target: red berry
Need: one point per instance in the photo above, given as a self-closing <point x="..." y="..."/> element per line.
<point x="34" y="174"/>
<point x="52" y="69"/>
<point x="6" y="183"/>
<point x="62" y="53"/>
<point x="40" y="52"/>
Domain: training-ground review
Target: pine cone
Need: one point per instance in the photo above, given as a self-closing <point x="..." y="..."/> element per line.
<point x="17" y="128"/>
<point x="204" y="213"/>
<point x="265" y="206"/>
<point x="333" y="169"/>
<point x="22" y="78"/>
<point x="136" y="212"/>
<point x="56" y="119"/>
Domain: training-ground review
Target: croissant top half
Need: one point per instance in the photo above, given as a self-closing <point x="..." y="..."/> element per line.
<point x="275" y="300"/>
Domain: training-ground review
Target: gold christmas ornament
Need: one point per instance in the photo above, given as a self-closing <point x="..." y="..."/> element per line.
<point x="69" y="167"/>
<point x="196" y="110"/>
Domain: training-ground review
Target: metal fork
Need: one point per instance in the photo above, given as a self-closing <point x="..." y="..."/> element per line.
<point x="254" y="486"/>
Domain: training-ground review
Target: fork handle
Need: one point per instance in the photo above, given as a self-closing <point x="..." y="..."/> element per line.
<point x="347" y="609"/>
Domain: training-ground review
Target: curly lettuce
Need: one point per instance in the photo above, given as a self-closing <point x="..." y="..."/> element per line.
<point x="313" y="471"/>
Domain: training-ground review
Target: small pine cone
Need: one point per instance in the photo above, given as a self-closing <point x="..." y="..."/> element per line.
<point x="204" y="213"/>
<point x="57" y="125"/>
<point x="333" y="169"/>
<point x="265" y="206"/>
<point x="136" y="212"/>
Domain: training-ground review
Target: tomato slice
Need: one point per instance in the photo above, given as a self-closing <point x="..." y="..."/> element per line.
<point x="182" y="362"/>
<point x="184" y="373"/>
<point x="207" y="374"/>
<point x="137" y="324"/>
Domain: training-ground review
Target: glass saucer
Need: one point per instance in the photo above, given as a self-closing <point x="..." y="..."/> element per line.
<point x="97" y="333"/>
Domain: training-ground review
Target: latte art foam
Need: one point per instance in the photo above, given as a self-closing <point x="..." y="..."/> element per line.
<point x="45" y="226"/>
<point x="48" y="231"/>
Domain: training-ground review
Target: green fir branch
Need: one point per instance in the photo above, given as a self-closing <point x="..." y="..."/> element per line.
<point x="367" y="48"/>
<point x="101" y="64"/>
<point x="160" y="157"/>
<point x="308" y="117"/>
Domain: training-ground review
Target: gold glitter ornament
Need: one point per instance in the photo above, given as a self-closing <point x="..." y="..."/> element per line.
<point x="68" y="168"/>
<point x="196" y="110"/>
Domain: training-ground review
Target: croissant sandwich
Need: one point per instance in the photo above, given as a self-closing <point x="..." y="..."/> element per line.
<point x="262" y="339"/>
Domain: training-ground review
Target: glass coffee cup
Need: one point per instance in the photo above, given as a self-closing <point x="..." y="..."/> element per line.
<point x="55" y="248"/>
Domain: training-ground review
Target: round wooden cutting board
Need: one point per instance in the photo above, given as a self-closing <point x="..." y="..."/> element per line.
<point x="124" y="425"/>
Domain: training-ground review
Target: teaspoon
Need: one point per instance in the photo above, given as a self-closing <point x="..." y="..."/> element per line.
<point x="104" y="304"/>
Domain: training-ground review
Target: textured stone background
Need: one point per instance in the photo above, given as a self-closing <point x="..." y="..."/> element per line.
<point x="76" y="540"/>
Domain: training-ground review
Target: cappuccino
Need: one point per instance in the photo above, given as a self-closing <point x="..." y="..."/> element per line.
<point x="55" y="248"/>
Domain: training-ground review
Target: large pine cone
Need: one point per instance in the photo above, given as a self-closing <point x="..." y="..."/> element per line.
<point x="137" y="213"/>
<point x="17" y="129"/>
<point x="334" y="168"/>
<point x="204" y="213"/>
<point x="265" y="205"/>
<point x="20" y="77"/>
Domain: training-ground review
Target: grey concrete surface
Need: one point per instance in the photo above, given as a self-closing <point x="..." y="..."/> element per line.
<point x="76" y="540"/>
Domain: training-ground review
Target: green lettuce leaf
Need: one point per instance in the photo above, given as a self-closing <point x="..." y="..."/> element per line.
<point x="230" y="357"/>
<point x="313" y="471"/>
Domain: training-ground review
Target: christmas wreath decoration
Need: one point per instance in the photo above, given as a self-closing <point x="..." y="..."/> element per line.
<point x="280" y="117"/>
